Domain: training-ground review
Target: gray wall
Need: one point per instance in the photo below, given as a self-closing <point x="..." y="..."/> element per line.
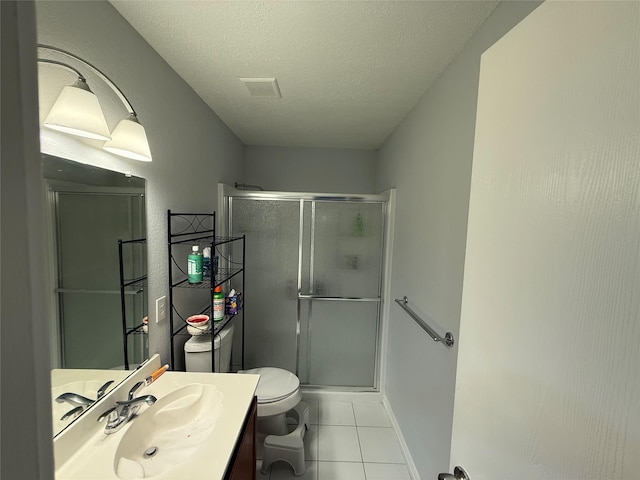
<point x="311" y="169"/>
<point x="192" y="149"/>
<point x="428" y="159"/>
<point x="26" y="392"/>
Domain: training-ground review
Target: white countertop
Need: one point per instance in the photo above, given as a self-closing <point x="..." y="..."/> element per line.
<point x="94" y="458"/>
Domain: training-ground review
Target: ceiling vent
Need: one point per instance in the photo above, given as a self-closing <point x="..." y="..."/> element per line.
<point x="262" y="87"/>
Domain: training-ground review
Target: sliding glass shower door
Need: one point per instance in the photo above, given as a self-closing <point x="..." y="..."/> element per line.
<point x="341" y="293"/>
<point x="314" y="284"/>
<point x="271" y="265"/>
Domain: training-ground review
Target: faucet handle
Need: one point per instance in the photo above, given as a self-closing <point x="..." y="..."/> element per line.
<point x="103" y="389"/>
<point x="148" y="399"/>
<point x="110" y="415"/>
<point x="74" y="412"/>
<point x="133" y="390"/>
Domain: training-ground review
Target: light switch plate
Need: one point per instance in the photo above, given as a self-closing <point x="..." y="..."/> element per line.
<point x="161" y="309"/>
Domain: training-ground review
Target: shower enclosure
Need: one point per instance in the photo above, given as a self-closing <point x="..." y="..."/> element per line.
<point x="314" y="283"/>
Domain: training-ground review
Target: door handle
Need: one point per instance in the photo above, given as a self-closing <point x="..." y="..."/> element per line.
<point x="458" y="474"/>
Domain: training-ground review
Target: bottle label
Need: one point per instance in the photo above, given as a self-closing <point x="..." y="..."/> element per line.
<point x="191" y="266"/>
<point x="218" y="309"/>
<point x="194" y="268"/>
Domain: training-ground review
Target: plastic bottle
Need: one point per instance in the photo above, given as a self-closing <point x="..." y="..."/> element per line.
<point x="231" y="303"/>
<point x="215" y="265"/>
<point x="358" y="226"/>
<point x="194" y="265"/>
<point x="218" y="304"/>
<point x="206" y="263"/>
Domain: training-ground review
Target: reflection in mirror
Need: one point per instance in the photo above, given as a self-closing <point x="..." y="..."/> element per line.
<point x="74" y="391"/>
<point x="94" y="320"/>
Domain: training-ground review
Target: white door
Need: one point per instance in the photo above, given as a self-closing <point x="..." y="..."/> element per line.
<point x="548" y="382"/>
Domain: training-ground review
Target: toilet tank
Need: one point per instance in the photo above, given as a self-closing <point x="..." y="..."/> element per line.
<point x="197" y="351"/>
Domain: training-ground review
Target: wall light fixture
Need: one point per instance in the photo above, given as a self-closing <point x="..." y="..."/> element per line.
<point x="77" y="112"/>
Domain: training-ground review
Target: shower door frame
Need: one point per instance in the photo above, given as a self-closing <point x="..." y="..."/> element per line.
<point x="226" y="194"/>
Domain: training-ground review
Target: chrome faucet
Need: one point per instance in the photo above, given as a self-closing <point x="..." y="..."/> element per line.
<point x="76" y="399"/>
<point x="78" y="402"/>
<point x="118" y="416"/>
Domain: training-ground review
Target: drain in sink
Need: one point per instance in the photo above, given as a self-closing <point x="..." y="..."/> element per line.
<point x="150" y="452"/>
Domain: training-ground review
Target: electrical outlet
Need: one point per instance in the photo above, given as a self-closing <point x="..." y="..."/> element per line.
<point x="161" y="309"/>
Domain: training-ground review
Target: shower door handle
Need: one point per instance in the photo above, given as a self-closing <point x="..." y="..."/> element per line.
<point x="338" y="299"/>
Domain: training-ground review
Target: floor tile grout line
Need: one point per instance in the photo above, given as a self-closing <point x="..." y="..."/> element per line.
<point x="317" y="449"/>
<point x="338" y="461"/>
<point x="353" y="409"/>
<point x="359" y="442"/>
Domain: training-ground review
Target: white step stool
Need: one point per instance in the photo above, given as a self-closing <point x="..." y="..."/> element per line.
<point x="289" y="448"/>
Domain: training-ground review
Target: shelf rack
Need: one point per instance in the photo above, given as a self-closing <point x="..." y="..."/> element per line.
<point x="200" y="229"/>
<point x="130" y="286"/>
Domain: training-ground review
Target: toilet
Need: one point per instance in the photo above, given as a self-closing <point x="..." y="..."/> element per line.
<point x="197" y="351"/>
<point x="278" y="395"/>
<point x="278" y="392"/>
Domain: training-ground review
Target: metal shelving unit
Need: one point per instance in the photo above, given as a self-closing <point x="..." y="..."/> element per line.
<point x="131" y="286"/>
<point x="185" y="230"/>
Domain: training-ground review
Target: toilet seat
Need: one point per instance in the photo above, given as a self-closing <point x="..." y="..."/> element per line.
<point x="278" y="390"/>
<point x="275" y="384"/>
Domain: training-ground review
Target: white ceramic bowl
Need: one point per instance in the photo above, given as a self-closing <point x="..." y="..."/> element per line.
<point x="198" y="320"/>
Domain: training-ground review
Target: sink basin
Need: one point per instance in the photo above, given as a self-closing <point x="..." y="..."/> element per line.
<point x="169" y="432"/>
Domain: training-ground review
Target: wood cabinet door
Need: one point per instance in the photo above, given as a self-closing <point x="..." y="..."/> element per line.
<point x="243" y="463"/>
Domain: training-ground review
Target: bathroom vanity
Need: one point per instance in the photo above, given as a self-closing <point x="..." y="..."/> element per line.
<point x="243" y="464"/>
<point x="200" y="426"/>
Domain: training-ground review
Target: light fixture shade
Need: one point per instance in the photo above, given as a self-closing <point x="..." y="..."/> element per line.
<point x="129" y="140"/>
<point x="78" y="112"/>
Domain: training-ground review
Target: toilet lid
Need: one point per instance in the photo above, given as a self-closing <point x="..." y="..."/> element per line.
<point x="274" y="384"/>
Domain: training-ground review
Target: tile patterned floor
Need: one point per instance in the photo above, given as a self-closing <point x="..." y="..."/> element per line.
<point x="346" y="441"/>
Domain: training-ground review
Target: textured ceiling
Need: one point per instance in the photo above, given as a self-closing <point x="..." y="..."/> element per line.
<point x="348" y="71"/>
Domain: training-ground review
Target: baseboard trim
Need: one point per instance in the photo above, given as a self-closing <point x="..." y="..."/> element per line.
<point x="411" y="466"/>
<point x="338" y="396"/>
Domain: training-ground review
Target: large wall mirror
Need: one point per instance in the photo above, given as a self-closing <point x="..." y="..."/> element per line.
<point x="97" y="228"/>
